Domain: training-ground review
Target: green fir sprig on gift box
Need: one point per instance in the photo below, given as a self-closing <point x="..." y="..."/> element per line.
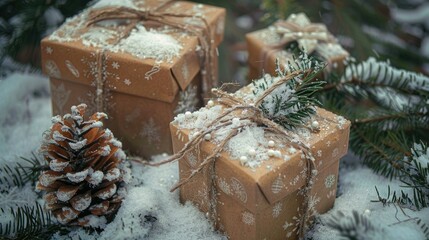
<point x="292" y="104"/>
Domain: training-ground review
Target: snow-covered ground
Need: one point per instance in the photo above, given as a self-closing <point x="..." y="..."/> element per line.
<point x="150" y="211"/>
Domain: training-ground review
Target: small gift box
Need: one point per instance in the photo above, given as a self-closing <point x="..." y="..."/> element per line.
<point x="142" y="62"/>
<point x="267" y="45"/>
<point x="252" y="177"/>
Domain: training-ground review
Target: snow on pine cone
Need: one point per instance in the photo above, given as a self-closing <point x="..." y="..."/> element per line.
<point x="87" y="170"/>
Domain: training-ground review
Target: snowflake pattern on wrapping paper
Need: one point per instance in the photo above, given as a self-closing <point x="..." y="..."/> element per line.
<point x="277" y="185"/>
<point x="277" y="209"/>
<point x="330" y="194"/>
<point x="239" y="190"/>
<point x="60" y="95"/>
<point x="72" y="68"/>
<point x="49" y="50"/>
<point x="52" y="69"/>
<point x="115" y="65"/>
<point x="224" y="186"/>
<point x="335" y="153"/>
<point x="91" y="71"/>
<point x="293" y="226"/>
<point x="248" y="218"/>
<point x="330" y="181"/>
<point x="192" y="159"/>
<point x="150" y="131"/>
<point x="127" y="82"/>
<point x="188" y="100"/>
<point x="134" y="115"/>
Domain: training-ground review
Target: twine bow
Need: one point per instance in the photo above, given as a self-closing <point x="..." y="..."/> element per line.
<point x="252" y="115"/>
<point x="155" y="16"/>
<point x="299" y="28"/>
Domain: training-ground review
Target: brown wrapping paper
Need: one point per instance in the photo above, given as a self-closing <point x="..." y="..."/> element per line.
<point x="263" y="55"/>
<point x="140" y="95"/>
<point x="263" y="203"/>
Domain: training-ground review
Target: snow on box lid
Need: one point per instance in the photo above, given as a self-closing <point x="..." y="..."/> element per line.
<point x="263" y="54"/>
<point x="258" y="187"/>
<point x="135" y="56"/>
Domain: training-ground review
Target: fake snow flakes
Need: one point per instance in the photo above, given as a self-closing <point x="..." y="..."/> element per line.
<point x="143" y="43"/>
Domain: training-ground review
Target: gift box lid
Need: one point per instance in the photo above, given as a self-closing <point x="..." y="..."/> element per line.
<point x="280" y="174"/>
<point x="140" y="58"/>
<point x="268" y="44"/>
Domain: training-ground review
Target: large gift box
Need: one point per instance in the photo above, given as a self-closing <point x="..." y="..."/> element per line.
<point x="260" y="184"/>
<point x="281" y="40"/>
<point x="141" y="62"/>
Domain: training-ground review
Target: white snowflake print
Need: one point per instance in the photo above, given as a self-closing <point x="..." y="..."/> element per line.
<point x="292" y="227"/>
<point x="115" y="65"/>
<point x="192" y="159"/>
<point x="335" y="153"/>
<point x="150" y="131"/>
<point x="319" y="153"/>
<point x="127" y="82"/>
<point x="330" y="194"/>
<point x="277" y="185"/>
<point x="188" y="100"/>
<point x="49" y="50"/>
<point x="239" y="190"/>
<point x="135" y="114"/>
<point x="248" y="218"/>
<point x="203" y="196"/>
<point x="330" y="181"/>
<point x="60" y="95"/>
<point x="52" y="69"/>
<point x="328" y="143"/>
<point x="277" y="209"/>
<point x="72" y="68"/>
<point x="224" y="186"/>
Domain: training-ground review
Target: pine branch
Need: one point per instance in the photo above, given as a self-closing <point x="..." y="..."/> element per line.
<point x="29" y="222"/>
<point x="388" y="108"/>
<point x="354" y="227"/>
<point x="292" y="103"/>
<point x="22" y="173"/>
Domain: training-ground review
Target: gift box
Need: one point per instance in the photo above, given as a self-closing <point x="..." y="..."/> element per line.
<point x="141" y="62"/>
<point x="267" y="45"/>
<point x="257" y="184"/>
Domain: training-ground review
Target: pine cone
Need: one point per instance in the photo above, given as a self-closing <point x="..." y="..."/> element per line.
<point x="85" y="181"/>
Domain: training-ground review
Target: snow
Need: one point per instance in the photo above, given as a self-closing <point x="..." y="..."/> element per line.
<point x="149" y="43"/>
<point x="150" y="210"/>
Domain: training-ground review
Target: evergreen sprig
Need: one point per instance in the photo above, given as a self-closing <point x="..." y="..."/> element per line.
<point x="416" y="178"/>
<point x="353" y="227"/>
<point x="388" y="108"/>
<point x="292" y="103"/>
<point x="27" y="221"/>
<point x="22" y="173"/>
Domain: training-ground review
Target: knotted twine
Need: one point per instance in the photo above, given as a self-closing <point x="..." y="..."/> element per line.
<point x="253" y="115"/>
<point x="297" y="27"/>
<point x="153" y="15"/>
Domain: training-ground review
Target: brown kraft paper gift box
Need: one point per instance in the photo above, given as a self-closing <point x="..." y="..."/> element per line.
<point x="141" y="89"/>
<point x="263" y="201"/>
<point x="267" y="45"/>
